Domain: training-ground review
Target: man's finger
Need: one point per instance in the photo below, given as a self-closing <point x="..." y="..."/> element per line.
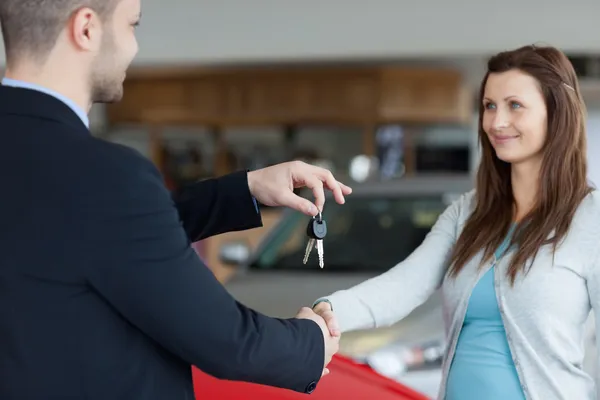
<point x="335" y="187"/>
<point x="316" y="185"/>
<point x="331" y="183"/>
<point x="325" y="371"/>
<point x="292" y="200"/>
<point x="346" y="190"/>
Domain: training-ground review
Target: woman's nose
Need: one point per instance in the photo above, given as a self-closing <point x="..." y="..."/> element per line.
<point x="500" y="121"/>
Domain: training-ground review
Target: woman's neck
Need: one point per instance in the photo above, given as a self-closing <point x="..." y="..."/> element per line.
<point x="525" y="185"/>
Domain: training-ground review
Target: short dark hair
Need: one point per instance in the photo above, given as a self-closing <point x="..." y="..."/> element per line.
<point x="31" y="27"/>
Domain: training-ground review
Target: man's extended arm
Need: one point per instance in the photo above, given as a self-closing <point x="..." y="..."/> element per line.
<point x="226" y="204"/>
<point x="140" y="261"/>
<point x="217" y="205"/>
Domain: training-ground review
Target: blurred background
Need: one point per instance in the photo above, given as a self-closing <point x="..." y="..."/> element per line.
<point x="383" y="93"/>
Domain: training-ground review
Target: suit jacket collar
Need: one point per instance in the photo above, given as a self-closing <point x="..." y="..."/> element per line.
<point x="36" y="104"/>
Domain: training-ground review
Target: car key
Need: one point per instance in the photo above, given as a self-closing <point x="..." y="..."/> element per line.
<point x="309" y="246"/>
<point x="311" y="241"/>
<point x="316" y="231"/>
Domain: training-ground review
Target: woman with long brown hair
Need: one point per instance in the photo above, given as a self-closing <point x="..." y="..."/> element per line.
<point x="517" y="258"/>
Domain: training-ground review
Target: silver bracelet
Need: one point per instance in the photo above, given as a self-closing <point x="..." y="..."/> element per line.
<point x="322" y="301"/>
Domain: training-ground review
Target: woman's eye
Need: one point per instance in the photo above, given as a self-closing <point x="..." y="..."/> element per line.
<point x="514" y="105"/>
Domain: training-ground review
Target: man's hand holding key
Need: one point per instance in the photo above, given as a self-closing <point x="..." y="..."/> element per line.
<point x="274" y="186"/>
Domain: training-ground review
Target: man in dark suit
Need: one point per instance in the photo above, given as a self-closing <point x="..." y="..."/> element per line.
<point x="101" y="295"/>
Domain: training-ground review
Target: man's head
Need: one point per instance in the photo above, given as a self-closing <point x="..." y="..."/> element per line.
<point x="89" y="43"/>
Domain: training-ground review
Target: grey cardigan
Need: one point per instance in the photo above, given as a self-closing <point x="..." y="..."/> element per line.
<point x="544" y="313"/>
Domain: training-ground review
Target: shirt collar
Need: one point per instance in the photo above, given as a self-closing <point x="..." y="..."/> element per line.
<point x="26" y="85"/>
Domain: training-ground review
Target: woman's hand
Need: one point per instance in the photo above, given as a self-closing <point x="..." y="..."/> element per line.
<point x="324" y="310"/>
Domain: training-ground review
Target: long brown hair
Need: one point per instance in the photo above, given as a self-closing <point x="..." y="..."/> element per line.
<point x="563" y="178"/>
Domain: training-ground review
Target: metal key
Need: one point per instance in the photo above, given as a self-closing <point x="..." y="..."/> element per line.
<point x="316" y="231"/>
<point x="320" y="253"/>
<point x="309" y="246"/>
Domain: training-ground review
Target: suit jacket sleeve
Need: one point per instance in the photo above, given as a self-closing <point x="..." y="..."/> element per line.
<point x="214" y="206"/>
<point x="141" y="262"/>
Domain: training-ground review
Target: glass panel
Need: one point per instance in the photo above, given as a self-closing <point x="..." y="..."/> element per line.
<point x="366" y="233"/>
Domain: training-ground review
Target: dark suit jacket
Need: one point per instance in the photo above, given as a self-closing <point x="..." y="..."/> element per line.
<point x="101" y="295"/>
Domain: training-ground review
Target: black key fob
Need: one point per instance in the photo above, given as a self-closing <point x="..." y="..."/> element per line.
<point x="317" y="228"/>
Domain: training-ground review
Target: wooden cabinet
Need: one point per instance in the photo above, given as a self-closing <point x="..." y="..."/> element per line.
<point x="293" y="96"/>
<point x="290" y="96"/>
<point x="427" y="96"/>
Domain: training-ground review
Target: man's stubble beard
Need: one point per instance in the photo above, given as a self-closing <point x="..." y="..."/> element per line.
<point x="106" y="78"/>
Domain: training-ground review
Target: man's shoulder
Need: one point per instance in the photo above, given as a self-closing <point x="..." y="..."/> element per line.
<point x="114" y="178"/>
<point x="113" y="161"/>
<point x="71" y="147"/>
<point x="117" y="154"/>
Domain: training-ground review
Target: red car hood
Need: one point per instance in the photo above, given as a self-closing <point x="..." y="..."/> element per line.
<point x="347" y="381"/>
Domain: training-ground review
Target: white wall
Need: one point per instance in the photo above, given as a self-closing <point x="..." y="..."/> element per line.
<point x="593" y="135"/>
<point x="210" y="31"/>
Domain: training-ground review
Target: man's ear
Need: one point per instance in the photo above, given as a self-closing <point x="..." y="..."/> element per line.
<point x="85" y="29"/>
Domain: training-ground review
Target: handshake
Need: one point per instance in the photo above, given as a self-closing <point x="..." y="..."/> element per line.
<point x="323" y="316"/>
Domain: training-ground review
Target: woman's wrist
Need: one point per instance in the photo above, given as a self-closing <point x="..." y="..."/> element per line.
<point x="322" y="305"/>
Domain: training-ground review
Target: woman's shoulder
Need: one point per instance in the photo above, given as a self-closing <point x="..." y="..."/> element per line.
<point x="591" y="202"/>
<point x="581" y="239"/>
<point x="464" y="204"/>
<point x="584" y="233"/>
<point x="457" y="212"/>
<point x="463" y="201"/>
<point x="588" y="212"/>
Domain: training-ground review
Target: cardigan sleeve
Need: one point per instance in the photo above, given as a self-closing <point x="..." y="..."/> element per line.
<point x="389" y="297"/>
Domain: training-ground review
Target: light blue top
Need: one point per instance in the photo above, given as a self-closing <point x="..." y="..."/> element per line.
<point x="483" y="367"/>
<point x="26" y="85"/>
